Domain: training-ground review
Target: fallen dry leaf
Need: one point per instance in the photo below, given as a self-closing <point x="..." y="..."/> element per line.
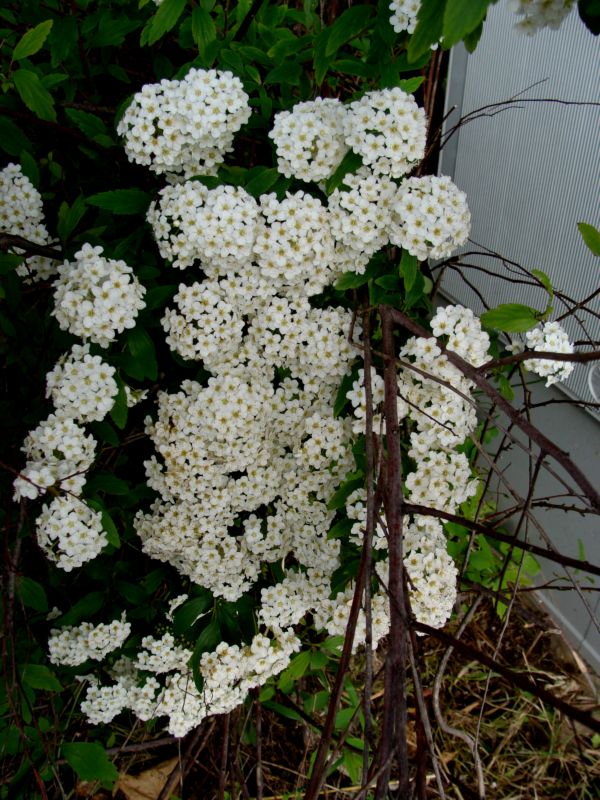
<point x="147" y="785"/>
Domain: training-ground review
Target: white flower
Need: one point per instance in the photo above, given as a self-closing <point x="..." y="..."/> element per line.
<point x="96" y="297"/>
<point x="388" y="129"/>
<point x="430" y="217"/>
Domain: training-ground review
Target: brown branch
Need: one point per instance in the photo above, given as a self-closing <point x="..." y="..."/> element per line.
<point x="530" y="355"/>
<point x="8" y="241"/>
<point x="546" y="445"/>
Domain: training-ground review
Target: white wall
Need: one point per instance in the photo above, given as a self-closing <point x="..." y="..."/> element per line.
<point x="531" y="173"/>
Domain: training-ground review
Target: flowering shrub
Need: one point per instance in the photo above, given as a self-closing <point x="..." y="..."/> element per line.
<point x="205" y="472"/>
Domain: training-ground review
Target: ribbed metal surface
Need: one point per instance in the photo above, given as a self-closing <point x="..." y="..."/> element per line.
<point x="531" y="172"/>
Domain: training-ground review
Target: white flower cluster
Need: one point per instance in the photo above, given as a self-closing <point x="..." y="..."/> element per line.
<point x="187" y="126"/>
<point x="58" y="453"/>
<point x="310" y="139"/>
<point x="538" y="14"/>
<point x="72" y="646"/>
<point x="205" y="325"/>
<point x="21" y="214"/>
<point x="404" y="15"/>
<point x="95" y="297"/>
<point x="430" y="217"/>
<point x="551" y="338"/>
<point x="70" y="532"/>
<point x="247" y="460"/>
<point x="228" y="674"/>
<point x="361" y="218"/>
<point x="388" y="129"/>
<point x="82" y="386"/>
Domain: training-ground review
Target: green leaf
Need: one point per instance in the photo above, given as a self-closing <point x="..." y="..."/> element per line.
<point x="409" y="267"/>
<point x="347" y="26"/>
<point x="511" y="317"/>
<point x="34" y="95"/>
<point x="120" y="409"/>
<point x="343" y="717"/>
<point x="341" y="528"/>
<point x="165" y="18"/>
<point x="30" y="167"/>
<point x="32" y="41"/>
<point x="263" y="180"/>
<point x="69" y="217"/>
<point x="207" y="641"/>
<point x="104" y="432"/>
<point x="338" y="500"/>
<point x="461" y="17"/>
<point x="345" y="386"/>
<point x="112" y="534"/>
<point x="203" y="28"/>
<point x="83" y="609"/>
<point x="287" y="73"/>
<point x="321" y="61"/>
<point x="40" y="677"/>
<point x="589" y="13"/>
<point x="187" y="614"/>
<point x="351" y="66"/>
<point x="351" y="162"/>
<point x="63" y="39"/>
<point x="158" y="296"/>
<point x="428" y="30"/>
<point x="591" y="236"/>
<point x="283" y="711"/>
<point x="471" y="40"/>
<point x="505" y="388"/>
<point x="12" y="139"/>
<point x="31" y="594"/>
<point x="112" y="32"/>
<point x="107" y="482"/>
<point x="142" y="362"/>
<point x="91" y="125"/>
<point x="122" y="201"/>
<point x="410" y="85"/>
<point x="90" y="762"/>
<point x="544" y="280"/>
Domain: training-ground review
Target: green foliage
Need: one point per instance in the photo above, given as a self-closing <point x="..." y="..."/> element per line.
<point x="90" y="762"/>
<point x="591" y="236"/>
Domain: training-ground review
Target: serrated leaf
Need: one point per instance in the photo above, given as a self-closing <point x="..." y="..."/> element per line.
<point x="165" y="18"/>
<point x="428" y="30"/>
<point x="461" y="17"/>
<point x="409" y="267"/>
<point x="142" y="361"/>
<point x="39" y="676"/>
<point x="207" y="641"/>
<point x="349" y="164"/>
<point x="90" y="762"/>
<point x="107" y="482"/>
<point x="29" y="167"/>
<point x="158" y="296"/>
<point x="89" y="124"/>
<point x="287" y="73"/>
<point x="347" y="26"/>
<point x="112" y="534"/>
<point x="203" y="28"/>
<point x="83" y="609"/>
<point x="12" y="139"/>
<point x="341" y="528"/>
<point x="410" y="85"/>
<point x="544" y="280"/>
<point x="120" y="409"/>
<point x="591" y="236"/>
<point x="261" y="182"/>
<point x="69" y="217"/>
<point x="32" y="41"/>
<point x="345" y="386"/>
<point x="33" y="93"/>
<point x="510" y="317"/>
<point x="187" y="614"/>
<point x="122" y="201"/>
<point x="338" y="500"/>
<point x="31" y="594"/>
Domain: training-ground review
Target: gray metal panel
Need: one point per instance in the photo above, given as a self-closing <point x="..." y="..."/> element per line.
<point x="531" y="173"/>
